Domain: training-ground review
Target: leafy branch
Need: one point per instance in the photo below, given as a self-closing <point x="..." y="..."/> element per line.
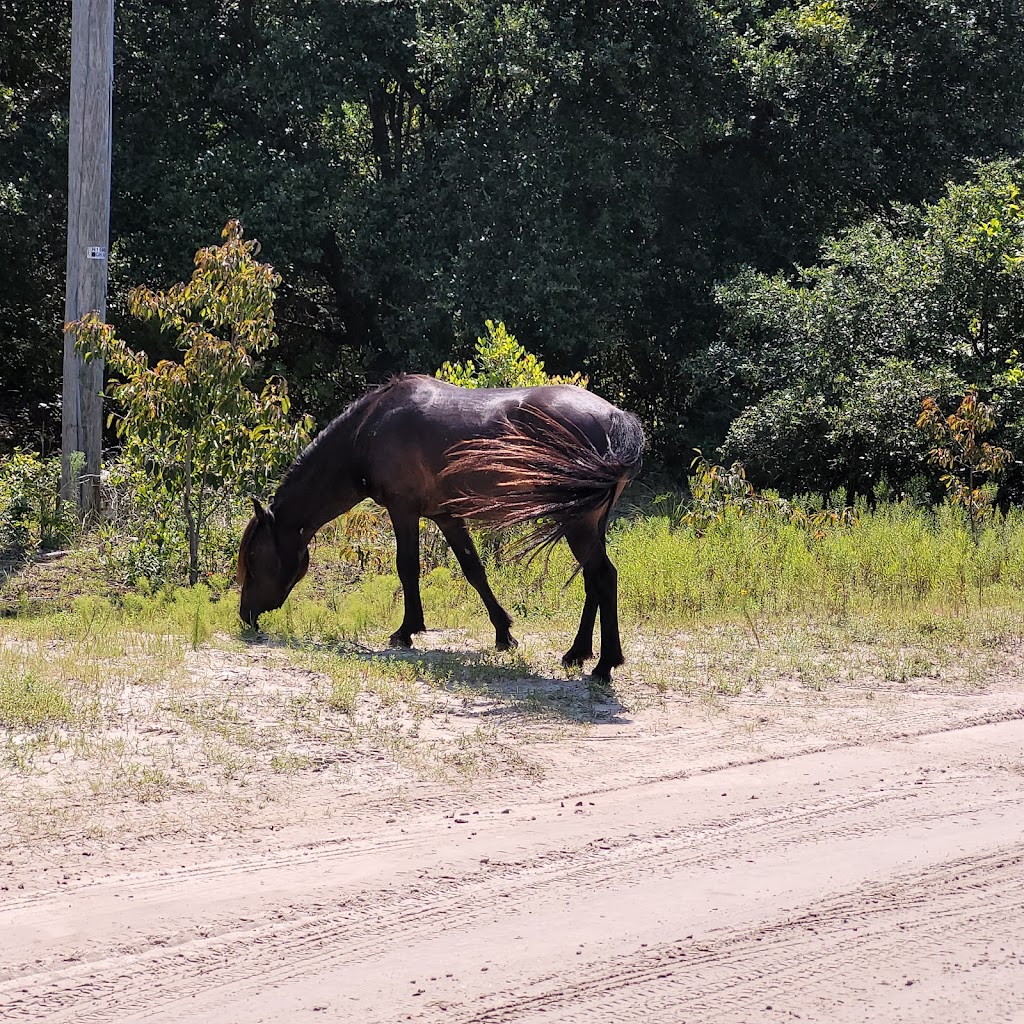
<point x="971" y="465"/>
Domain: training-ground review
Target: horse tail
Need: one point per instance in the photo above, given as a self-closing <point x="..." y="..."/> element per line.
<point x="543" y="471"/>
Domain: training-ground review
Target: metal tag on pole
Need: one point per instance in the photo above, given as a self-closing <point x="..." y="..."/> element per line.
<point x="92" y="80"/>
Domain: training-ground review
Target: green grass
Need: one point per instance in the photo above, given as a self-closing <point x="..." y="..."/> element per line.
<point x="901" y="569"/>
<point x="898" y="559"/>
<point x="898" y="563"/>
<point x="127" y="684"/>
<point x="30" y="703"/>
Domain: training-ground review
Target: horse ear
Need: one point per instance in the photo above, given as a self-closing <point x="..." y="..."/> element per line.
<point x="261" y="512"/>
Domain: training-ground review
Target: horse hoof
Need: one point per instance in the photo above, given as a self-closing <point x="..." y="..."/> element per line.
<point x="397" y="640"/>
<point x="508" y="643"/>
<point x="601" y="675"/>
<point x="575" y="659"/>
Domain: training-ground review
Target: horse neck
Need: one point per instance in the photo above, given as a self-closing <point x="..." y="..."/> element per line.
<point x="321" y="486"/>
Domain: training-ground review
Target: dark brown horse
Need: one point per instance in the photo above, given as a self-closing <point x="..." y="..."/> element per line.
<point x="556" y="457"/>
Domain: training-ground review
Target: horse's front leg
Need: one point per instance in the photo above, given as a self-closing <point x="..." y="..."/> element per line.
<point x="407" y="539"/>
<point x="460" y="541"/>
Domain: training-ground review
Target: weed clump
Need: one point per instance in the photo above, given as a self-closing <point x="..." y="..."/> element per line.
<point x="27" y="702"/>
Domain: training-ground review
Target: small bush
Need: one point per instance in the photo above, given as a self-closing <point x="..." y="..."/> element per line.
<point x="31" y="512"/>
<point x="501" y="362"/>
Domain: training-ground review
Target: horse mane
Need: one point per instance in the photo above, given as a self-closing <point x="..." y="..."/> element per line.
<point x="348" y="418"/>
<point x="243" y="549"/>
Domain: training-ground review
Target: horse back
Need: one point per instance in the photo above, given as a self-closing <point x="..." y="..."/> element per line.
<point x="405" y="441"/>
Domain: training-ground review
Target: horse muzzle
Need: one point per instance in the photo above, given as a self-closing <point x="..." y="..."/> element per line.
<point x="248" y="616"/>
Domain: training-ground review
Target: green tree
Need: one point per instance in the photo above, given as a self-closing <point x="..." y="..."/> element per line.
<point x="193" y="433"/>
<point x="501" y="362"/>
<point x="590" y="169"/>
<point x="829" y="367"/>
<point x="34" y="62"/>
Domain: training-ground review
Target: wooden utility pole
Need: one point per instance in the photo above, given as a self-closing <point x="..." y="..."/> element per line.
<point x="92" y="79"/>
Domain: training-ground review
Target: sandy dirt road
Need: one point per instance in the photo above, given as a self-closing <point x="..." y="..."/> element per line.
<point x="785" y="859"/>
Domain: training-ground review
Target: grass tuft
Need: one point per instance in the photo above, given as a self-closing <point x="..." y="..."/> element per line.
<point x="30" y="703"/>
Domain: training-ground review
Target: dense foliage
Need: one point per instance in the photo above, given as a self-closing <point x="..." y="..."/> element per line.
<point x="587" y="173"/>
<point x="834" y="363"/>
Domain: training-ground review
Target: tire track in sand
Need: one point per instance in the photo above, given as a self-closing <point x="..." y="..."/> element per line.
<point x="334" y="927"/>
<point x="880" y="935"/>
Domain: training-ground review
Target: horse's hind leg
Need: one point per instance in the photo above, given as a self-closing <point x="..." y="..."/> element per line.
<point x="407" y="541"/>
<point x="583" y="646"/>
<point x="587" y="542"/>
<point x="461" y="542"/>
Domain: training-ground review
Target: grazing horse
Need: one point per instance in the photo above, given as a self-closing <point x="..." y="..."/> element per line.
<point x="557" y="457"/>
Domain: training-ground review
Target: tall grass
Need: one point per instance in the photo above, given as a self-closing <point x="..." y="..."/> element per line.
<point x="897" y="558"/>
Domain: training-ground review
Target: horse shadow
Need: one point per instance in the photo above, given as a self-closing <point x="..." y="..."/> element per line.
<point x="497" y="685"/>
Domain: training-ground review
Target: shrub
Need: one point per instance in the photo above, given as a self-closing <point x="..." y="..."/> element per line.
<point x="502" y="363"/>
<point x="831" y="362"/>
<point x="971" y="465"/>
<point x="31" y="512"/>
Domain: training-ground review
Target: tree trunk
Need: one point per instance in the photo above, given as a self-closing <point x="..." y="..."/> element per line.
<point x="190" y="519"/>
<point x="380" y="136"/>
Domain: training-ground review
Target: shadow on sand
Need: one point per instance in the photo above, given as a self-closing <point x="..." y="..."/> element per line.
<point x="506" y="679"/>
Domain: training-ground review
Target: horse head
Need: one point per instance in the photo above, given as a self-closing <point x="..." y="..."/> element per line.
<point x="271" y="560"/>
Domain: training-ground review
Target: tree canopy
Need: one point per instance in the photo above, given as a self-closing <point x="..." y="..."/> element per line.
<point x="592" y="174"/>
